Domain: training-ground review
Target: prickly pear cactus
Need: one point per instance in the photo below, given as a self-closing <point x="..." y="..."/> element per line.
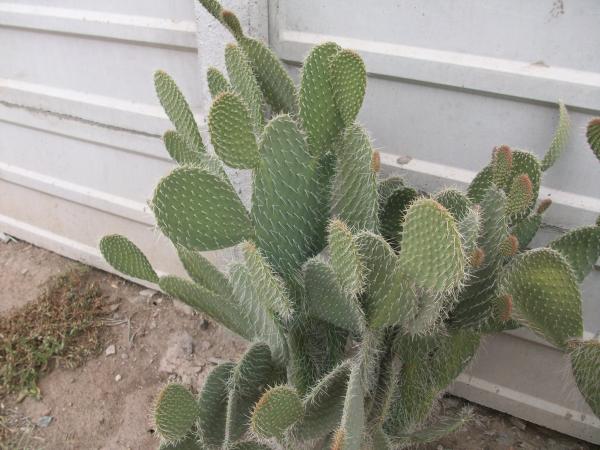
<point x="362" y="298"/>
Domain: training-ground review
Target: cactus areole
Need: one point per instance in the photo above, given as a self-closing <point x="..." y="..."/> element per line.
<point x="362" y="299"/>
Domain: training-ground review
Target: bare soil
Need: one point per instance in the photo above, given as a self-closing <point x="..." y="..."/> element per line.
<point x="105" y="404"/>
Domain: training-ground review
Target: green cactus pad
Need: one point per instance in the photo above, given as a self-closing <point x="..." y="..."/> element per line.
<point x="317" y="111"/>
<point x="387" y="187"/>
<point x="178" y="110"/>
<point x="526" y="229"/>
<point x="278" y="409"/>
<point x="175" y="412"/>
<point x="432" y="253"/>
<point x="124" y="256"/>
<point x="199" y="210"/>
<point x="212" y="403"/>
<point x="494" y="224"/>
<point x="349" y="80"/>
<point x="385" y="390"/>
<point x="501" y="166"/>
<point x="220" y="308"/>
<point x="324" y="404"/>
<point x="203" y="272"/>
<point x="253" y="371"/>
<point x="442" y="427"/>
<point x="430" y="311"/>
<point x="519" y="196"/>
<point x="239" y="409"/>
<point x="345" y="258"/>
<point x="545" y="295"/>
<point x="457" y="203"/>
<point x="232" y="132"/>
<point x="269" y="287"/>
<point x="213" y="7"/>
<point x="315" y="348"/>
<point x="276" y="85"/>
<point x="392" y="209"/>
<point x="390" y="297"/>
<point x="178" y="149"/>
<point x="354" y="193"/>
<point x="581" y="249"/>
<point x="593" y="136"/>
<point x="263" y="323"/>
<point x="469" y="227"/>
<point x="287" y="210"/>
<point x="430" y="364"/>
<point x="190" y="442"/>
<point x="585" y="362"/>
<point x="217" y="83"/>
<point x="350" y="434"/>
<point x="480" y="184"/>
<point x="475" y="303"/>
<point x="245" y="84"/>
<point x="379" y="440"/>
<point x="559" y="141"/>
<point x="327" y="301"/>
<point x="522" y="163"/>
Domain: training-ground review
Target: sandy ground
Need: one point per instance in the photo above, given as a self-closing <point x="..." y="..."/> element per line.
<point x="105" y="404"/>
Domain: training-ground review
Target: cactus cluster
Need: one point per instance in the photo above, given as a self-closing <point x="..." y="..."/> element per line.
<point x="362" y="298"/>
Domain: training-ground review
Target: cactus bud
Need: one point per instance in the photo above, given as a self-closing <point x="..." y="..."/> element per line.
<point x="510" y="246"/>
<point x="376" y="162"/>
<point x="502" y="162"/>
<point x="231" y="21"/>
<point x="504" y="307"/>
<point x="544" y="205"/>
<point x="477" y="257"/>
<point x="520" y="195"/>
<point x="338" y="440"/>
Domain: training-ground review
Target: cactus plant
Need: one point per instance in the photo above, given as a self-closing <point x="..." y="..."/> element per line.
<point x="363" y="298"/>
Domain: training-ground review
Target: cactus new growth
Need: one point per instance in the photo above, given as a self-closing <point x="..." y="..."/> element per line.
<point x="362" y="298"/>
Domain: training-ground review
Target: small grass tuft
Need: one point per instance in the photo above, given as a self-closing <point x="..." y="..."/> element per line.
<point x="62" y="327"/>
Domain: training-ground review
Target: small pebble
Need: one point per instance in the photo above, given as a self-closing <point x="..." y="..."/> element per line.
<point x="118" y="377"/>
<point x="44" y="421"/>
<point x="110" y="350"/>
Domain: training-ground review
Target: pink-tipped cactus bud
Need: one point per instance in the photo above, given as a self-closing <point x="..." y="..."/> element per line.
<point x="477" y="257"/>
<point x="338" y="439"/>
<point x="505" y="305"/>
<point x="520" y="195"/>
<point x="510" y="246"/>
<point x="232" y="22"/>
<point x="544" y="205"/>
<point x="503" y="152"/>
<point x="502" y="161"/>
<point x="376" y="162"/>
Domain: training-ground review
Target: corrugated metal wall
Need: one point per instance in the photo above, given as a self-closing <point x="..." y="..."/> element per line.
<point x="448" y="81"/>
<point x="80" y="127"/>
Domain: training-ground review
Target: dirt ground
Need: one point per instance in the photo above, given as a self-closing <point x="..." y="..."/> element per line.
<point x="105" y="404"/>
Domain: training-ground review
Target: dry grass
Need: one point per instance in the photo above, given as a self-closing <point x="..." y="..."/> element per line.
<point x="61" y="327"/>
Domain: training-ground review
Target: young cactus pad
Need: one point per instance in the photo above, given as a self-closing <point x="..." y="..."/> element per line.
<point x="362" y="298"/>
